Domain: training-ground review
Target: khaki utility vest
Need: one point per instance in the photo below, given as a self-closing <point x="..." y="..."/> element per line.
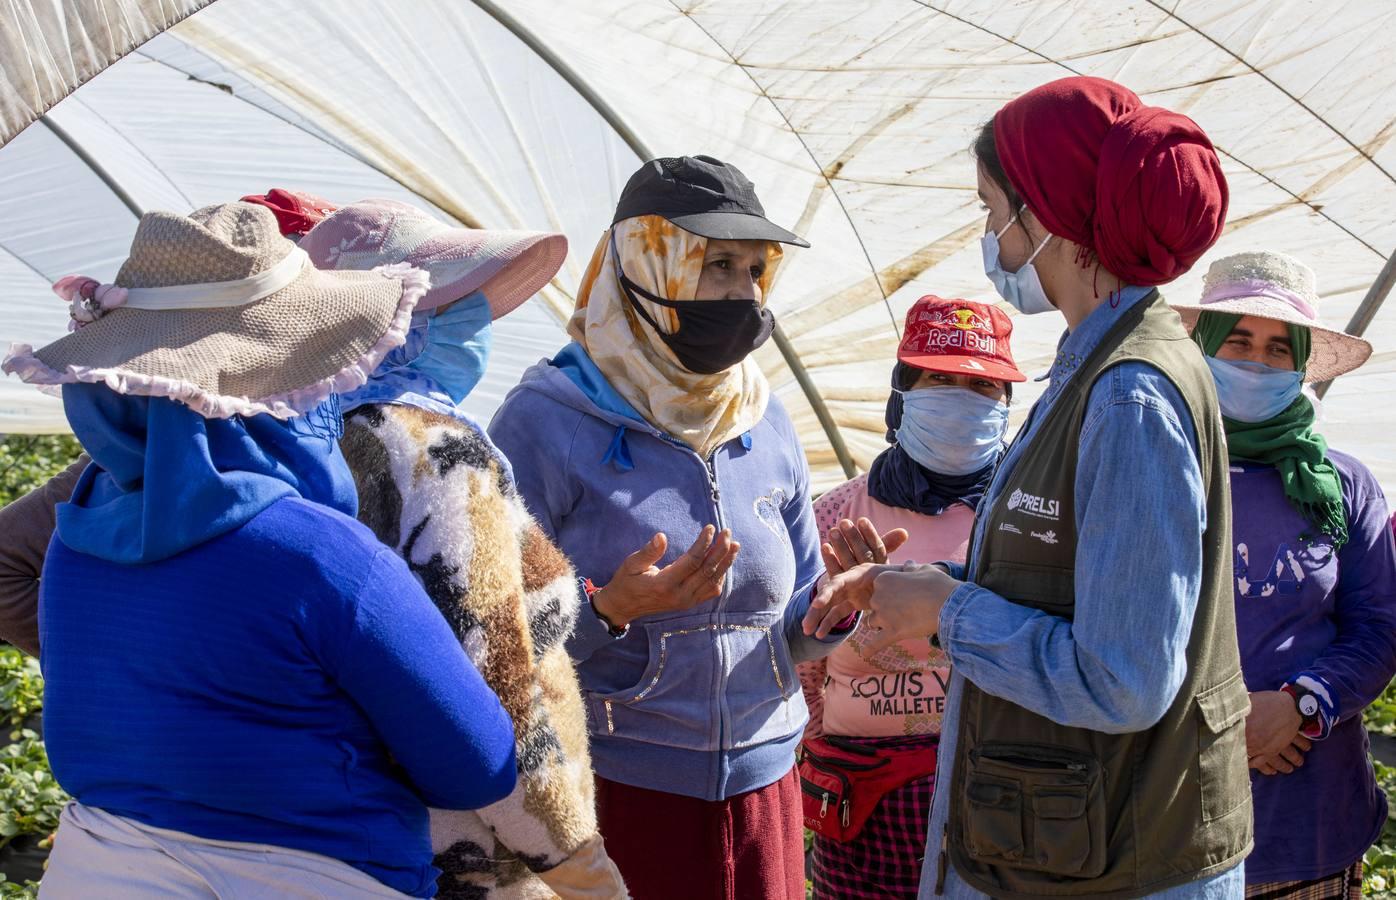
<point x="1042" y="809"/>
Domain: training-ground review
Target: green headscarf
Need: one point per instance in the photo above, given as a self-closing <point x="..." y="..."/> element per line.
<point x="1288" y="441"/>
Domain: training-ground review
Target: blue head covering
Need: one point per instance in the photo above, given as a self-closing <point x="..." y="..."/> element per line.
<point x="164" y="479"/>
<point x="439" y="365"/>
<point x="442" y="361"/>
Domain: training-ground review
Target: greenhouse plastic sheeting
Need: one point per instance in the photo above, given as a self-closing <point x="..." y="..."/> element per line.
<point x="853" y="119"/>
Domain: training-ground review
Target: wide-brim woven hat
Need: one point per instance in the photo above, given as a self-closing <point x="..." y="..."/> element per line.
<point x="1277" y="286"/>
<point x="220" y="312"/>
<point x="508" y="266"/>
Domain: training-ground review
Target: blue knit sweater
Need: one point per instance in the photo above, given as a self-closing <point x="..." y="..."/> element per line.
<point x="286" y="683"/>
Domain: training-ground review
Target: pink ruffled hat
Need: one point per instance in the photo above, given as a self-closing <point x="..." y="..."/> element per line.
<point x="508" y="266"/>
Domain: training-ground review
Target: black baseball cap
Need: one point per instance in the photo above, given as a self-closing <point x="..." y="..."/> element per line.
<point x="702" y="195"/>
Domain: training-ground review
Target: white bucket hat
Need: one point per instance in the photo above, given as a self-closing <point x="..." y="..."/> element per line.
<point x="220" y="312"/>
<point x="1273" y="285"/>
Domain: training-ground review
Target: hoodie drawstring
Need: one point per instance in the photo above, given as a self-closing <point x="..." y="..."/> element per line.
<point x="619" y="452"/>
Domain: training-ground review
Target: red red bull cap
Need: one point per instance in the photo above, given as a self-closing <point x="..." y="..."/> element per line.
<point x="960" y="337"/>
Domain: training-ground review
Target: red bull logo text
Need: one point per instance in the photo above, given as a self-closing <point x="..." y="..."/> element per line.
<point x="952" y="329"/>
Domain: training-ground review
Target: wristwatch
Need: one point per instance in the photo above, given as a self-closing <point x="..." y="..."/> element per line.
<point x="591" y="591"/>
<point x="1306" y="701"/>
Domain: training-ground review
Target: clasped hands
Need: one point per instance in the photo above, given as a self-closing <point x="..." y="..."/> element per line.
<point x="1274" y="745"/>
<point x="897" y="602"/>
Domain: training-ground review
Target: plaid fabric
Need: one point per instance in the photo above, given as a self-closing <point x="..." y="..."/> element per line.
<point x="885" y="859"/>
<point x="1344" y="885"/>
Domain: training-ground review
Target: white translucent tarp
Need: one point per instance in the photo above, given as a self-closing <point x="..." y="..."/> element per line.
<point x="852" y="118"/>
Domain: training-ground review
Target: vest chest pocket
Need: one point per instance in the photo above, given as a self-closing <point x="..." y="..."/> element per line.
<point x="1221" y="748"/>
<point x="1029" y="806"/>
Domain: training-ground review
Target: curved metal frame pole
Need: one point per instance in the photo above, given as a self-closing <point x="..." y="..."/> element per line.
<point x="97" y="168"/>
<point x="816" y="402"/>
<point x="1367" y="309"/>
<point x="638" y="146"/>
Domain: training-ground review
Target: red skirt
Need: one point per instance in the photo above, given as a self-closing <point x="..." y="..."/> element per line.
<point x="671" y="847"/>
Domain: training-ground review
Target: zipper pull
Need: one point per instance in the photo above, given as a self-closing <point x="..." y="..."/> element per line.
<point x="824" y="807"/>
<point x="942" y="862"/>
<point x="843" y="817"/>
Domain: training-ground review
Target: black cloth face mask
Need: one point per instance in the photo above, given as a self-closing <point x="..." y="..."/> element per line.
<point x="713" y="335"/>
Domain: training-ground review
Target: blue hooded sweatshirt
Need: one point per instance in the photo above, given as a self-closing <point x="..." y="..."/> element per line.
<point x="227" y="653"/>
<point x="704" y="702"/>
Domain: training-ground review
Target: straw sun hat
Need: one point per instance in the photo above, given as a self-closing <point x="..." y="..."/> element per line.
<point x="508" y="266"/>
<point x="220" y="312"/>
<point x="1272" y="285"/>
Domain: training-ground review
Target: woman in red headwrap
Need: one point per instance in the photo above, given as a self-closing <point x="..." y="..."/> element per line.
<point x="1093" y="742"/>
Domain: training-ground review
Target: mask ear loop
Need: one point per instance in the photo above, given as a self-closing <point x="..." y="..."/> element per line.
<point x="998" y="235"/>
<point x="1038" y="250"/>
<point x="630" y="289"/>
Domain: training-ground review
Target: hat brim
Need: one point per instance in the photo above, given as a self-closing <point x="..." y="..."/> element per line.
<point x="281" y="355"/>
<point x="534" y="259"/>
<point x="513" y="266"/>
<point x="1333" y="352"/>
<point x="736" y="226"/>
<point x="962" y="364"/>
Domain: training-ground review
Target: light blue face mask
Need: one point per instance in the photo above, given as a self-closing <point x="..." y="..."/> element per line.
<point x="457" y="346"/>
<point x="1253" y="392"/>
<point x="951" y="430"/>
<point x="1023" y="289"/>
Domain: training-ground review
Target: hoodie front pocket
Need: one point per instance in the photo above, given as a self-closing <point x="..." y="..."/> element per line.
<point x="670" y="704"/>
<point x="761" y="685"/>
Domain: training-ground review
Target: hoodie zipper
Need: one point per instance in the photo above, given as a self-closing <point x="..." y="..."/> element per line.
<point x="715" y="494"/>
<point x="714" y="491"/>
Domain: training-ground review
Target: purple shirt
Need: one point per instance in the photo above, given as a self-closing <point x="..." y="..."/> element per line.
<point x="1303" y="609"/>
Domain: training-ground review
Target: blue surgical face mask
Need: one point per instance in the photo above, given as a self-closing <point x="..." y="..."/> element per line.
<point x="457" y="345"/>
<point x="1253" y="392"/>
<point x="1022" y="288"/>
<point x="951" y="430"/>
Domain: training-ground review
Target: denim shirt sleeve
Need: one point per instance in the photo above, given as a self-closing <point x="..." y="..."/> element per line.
<point x="798" y="513"/>
<point x="1356" y="667"/>
<point x="1140" y="513"/>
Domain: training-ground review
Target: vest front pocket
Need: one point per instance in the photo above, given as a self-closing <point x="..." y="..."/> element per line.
<point x="995" y="827"/>
<point x="1221" y="744"/>
<point x="1030" y="806"/>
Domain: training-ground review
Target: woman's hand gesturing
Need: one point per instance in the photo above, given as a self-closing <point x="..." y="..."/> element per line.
<point x="639" y="587"/>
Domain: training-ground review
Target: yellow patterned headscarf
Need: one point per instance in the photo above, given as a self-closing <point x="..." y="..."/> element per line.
<point x="703" y="411"/>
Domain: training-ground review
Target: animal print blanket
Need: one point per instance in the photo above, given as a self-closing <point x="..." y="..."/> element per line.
<point x="432" y="488"/>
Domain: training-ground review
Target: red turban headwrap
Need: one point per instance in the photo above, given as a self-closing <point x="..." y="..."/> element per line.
<point x="1139" y="185"/>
